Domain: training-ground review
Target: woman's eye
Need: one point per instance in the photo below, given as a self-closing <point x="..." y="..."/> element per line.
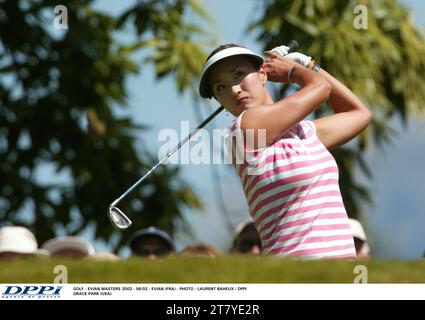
<point x="219" y="87"/>
<point x="239" y="74"/>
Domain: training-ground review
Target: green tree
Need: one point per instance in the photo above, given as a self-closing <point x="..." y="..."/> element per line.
<point x="382" y="64"/>
<point x="58" y="89"/>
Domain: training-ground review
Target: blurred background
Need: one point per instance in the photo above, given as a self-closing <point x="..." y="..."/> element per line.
<point x="81" y="110"/>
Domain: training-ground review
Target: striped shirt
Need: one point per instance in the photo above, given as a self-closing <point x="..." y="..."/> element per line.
<point x="293" y="194"/>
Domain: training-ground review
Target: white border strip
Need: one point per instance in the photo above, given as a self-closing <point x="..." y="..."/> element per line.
<point x="207" y="291"/>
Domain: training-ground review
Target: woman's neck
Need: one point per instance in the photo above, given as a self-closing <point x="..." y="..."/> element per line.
<point x="267" y="97"/>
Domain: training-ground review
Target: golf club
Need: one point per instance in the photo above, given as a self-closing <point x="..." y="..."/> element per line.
<point x="117" y="217"/>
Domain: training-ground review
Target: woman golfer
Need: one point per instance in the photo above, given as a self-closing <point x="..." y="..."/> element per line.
<point x="289" y="177"/>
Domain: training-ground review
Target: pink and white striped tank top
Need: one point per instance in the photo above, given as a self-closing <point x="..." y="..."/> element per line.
<point x="293" y="194"/>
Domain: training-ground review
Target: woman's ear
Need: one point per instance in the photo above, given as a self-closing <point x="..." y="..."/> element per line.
<point x="263" y="75"/>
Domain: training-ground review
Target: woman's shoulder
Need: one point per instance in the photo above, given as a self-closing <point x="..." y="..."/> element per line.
<point x="305" y="129"/>
<point x="302" y="130"/>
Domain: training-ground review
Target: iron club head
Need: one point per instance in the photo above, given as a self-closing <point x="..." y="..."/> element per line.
<point x="118" y="218"/>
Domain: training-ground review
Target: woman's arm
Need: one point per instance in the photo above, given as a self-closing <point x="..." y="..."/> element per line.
<point x="351" y="115"/>
<point x="282" y="115"/>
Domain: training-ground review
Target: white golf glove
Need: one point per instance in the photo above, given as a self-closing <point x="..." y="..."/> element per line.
<point x="297" y="57"/>
<point x="281" y="50"/>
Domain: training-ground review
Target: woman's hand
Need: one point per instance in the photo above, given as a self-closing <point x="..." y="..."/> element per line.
<point x="297" y="57"/>
<point x="277" y="67"/>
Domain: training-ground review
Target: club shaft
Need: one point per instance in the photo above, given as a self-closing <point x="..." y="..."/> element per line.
<point x="169" y="154"/>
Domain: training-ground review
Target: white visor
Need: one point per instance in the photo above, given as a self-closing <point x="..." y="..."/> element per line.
<point x="204" y="89"/>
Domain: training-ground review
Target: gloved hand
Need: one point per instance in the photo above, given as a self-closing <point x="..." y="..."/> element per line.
<point x="297" y="57"/>
<point x="277" y="67"/>
<point x="281" y="50"/>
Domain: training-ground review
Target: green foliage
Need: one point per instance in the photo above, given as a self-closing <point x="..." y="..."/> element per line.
<point x="57" y="90"/>
<point x="382" y="64"/>
<point x="175" y="44"/>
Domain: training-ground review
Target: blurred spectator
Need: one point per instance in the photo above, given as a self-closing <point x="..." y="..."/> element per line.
<point x="103" y="256"/>
<point x="246" y="238"/>
<point x="151" y="243"/>
<point x="17" y="242"/>
<point x="68" y="247"/>
<point x="200" y="249"/>
<point x="360" y="239"/>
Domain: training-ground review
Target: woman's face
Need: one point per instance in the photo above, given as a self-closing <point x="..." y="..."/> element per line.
<point x="237" y="85"/>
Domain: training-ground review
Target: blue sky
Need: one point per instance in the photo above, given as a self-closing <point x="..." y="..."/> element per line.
<point x="395" y="224"/>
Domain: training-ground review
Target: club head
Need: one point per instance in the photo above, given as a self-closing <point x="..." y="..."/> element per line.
<point x="118" y="218"/>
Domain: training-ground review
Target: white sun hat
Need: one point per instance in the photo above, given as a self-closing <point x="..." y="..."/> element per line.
<point x="204" y="89"/>
<point x="19" y="240"/>
<point x="103" y="256"/>
<point x="69" y="243"/>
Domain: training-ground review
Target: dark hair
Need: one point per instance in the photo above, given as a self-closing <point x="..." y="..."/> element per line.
<point x="222" y="47"/>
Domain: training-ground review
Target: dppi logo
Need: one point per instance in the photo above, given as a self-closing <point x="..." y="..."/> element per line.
<point x="32" y="291"/>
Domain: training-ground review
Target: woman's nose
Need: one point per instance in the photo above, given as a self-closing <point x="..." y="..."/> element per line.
<point x="236" y="88"/>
